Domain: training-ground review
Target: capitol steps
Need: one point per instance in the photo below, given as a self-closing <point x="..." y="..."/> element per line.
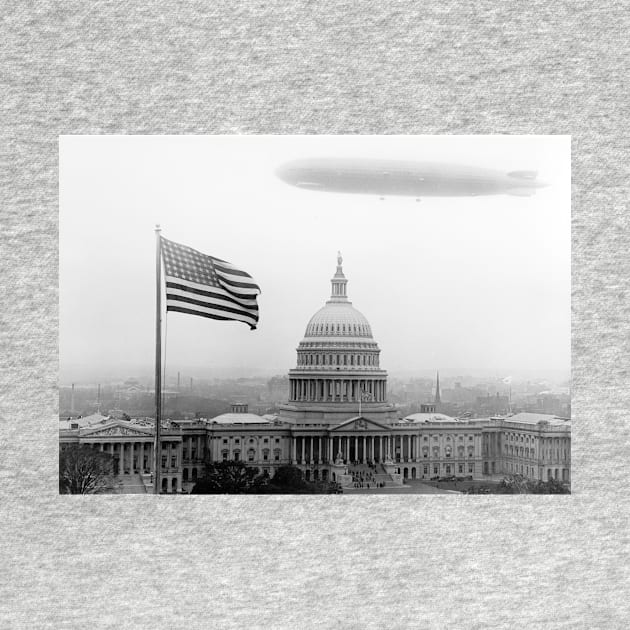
<point x="131" y="484"/>
<point x="380" y="475"/>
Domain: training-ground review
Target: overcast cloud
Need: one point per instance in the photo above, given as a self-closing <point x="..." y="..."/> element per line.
<point x="478" y="282"/>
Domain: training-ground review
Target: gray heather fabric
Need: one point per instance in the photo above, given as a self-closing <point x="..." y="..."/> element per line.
<point x="303" y="67"/>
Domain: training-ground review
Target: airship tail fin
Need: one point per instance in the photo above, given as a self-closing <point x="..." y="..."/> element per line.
<point x="523" y="174"/>
<point x="521" y="192"/>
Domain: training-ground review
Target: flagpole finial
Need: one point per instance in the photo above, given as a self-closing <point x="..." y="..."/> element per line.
<point x="339" y="258"/>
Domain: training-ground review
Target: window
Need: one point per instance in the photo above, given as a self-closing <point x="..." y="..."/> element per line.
<point x="426" y="439"/>
<point x="460" y="468"/>
<point x="425" y="470"/>
<point x="276" y="455"/>
<point x="237" y="441"/>
<point x="250" y="455"/>
<point x="470" y="468"/>
<point x="266" y="440"/>
<point x="266" y="455"/>
<point x="470" y="439"/>
<point x="225" y="455"/>
<point x="251" y="440"/>
<point x="225" y="441"/>
<point x="435" y="470"/>
<point x="237" y="456"/>
<point x="173" y="461"/>
<point x="277" y="440"/>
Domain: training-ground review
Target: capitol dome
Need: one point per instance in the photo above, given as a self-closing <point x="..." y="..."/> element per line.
<point x="338" y="319"/>
<point x="338" y="375"/>
<point x="338" y="337"/>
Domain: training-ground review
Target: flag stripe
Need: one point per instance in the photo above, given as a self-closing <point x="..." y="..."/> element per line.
<point x="212" y="315"/>
<point x="243" y="298"/>
<point x="218" y="294"/>
<point x="252" y="288"/>
<point x="217" y="304"/>
<point x="223" y="268"/>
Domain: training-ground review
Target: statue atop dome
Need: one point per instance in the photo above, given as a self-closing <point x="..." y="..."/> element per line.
<point x="339" y="259"/>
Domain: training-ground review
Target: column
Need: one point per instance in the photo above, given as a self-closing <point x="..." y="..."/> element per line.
<point x="347" y="448"/>
<point x="364" y="440"/>
<point x="320" y="459"/>
<point x="330" y="450"/>
<point x="302" y="461"/>
<point x="408" y="448"/>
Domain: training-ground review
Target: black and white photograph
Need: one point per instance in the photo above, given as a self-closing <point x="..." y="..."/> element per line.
<point x="302" y="314"/>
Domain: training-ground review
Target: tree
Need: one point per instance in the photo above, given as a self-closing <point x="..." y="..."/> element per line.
<point x="515" y="484"/>
<point x="553" y="486"/>
<point x="82" y="470"/>
<point x="518" y="484"/>
<point x="230" y="477"/>
<point x="289" y="477"/>
<point x="290" y="480"/>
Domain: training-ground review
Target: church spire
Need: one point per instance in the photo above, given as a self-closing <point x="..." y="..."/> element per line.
<point x="437" y="390"/>
<point x="339" y="282"/>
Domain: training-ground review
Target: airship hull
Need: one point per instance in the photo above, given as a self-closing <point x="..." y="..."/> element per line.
<point x="415" y="179"/>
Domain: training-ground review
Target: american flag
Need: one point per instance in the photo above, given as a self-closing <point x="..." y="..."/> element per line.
<point x="203" y="285"/>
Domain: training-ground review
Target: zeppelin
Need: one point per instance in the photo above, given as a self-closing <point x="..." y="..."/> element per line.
<point x="413" y="179"/>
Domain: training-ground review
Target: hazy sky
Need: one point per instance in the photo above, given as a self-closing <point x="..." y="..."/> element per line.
<point x="479" y="282"/>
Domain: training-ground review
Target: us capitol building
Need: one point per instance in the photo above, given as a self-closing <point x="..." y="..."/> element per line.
<point x="337" y="419"/>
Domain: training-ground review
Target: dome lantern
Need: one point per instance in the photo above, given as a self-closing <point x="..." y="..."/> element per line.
<point x="339" y="282"/>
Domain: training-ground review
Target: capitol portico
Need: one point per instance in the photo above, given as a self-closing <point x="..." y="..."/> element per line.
<point x="337" y="418"/>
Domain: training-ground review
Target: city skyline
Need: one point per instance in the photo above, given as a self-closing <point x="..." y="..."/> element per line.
<point x="445" y="283"/>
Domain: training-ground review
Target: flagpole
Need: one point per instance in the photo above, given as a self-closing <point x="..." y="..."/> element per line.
<point x="158" y="362"/>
